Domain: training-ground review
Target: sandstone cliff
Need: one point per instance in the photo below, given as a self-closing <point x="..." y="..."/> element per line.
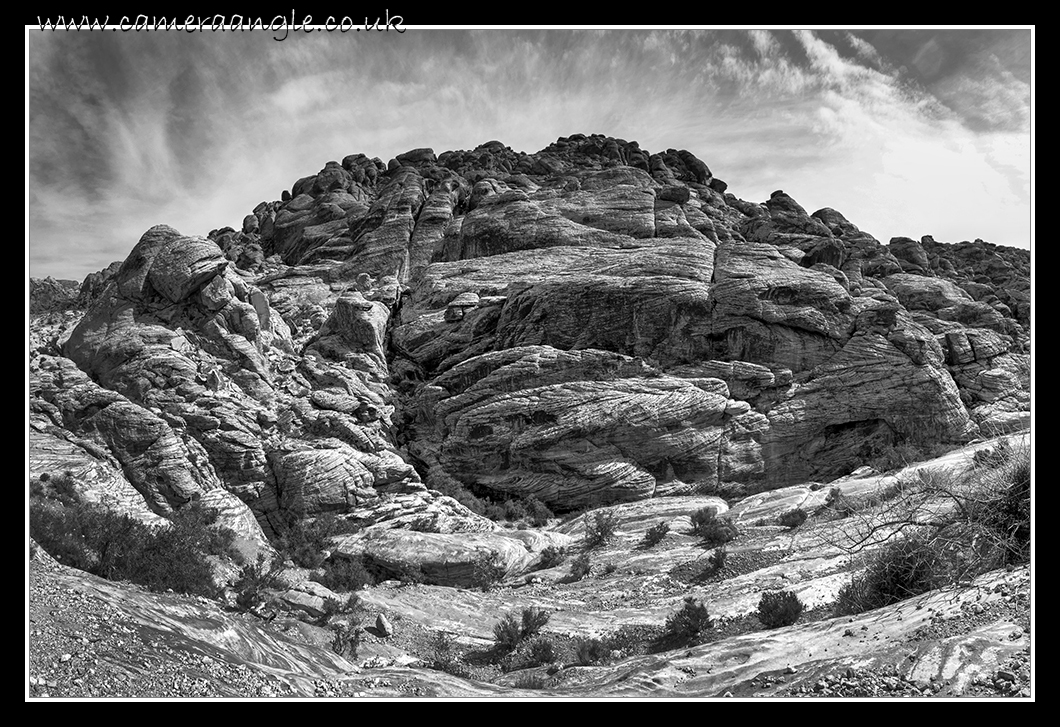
<point x="590" y="324"/>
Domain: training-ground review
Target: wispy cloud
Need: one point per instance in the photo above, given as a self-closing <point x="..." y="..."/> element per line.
<point x="131" y="130"/>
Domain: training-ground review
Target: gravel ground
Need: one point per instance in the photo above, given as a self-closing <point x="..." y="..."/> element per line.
<point x="81" y="646"/>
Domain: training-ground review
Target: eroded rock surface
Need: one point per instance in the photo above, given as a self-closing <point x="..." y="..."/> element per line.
<point x="589" y="324"/>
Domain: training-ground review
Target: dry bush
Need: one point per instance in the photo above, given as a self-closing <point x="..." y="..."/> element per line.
<point x="600" y="529"/>
<point x="551" y="557"/>
<point x="588" y="652"/>
<point x="779" y="608"/>
<point x="579" y="568"/>
<point x="655" y="534"/>
<point x="713" y="528"/>
<point x="689" y="622"/>
<point x="942" y="527"/>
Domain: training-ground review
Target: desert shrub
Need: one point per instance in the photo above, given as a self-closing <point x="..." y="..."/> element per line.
<point x="508" y="632"/>
<point x="346" y="638"/>
<point x="628" y="639"/>
<point x="895" y="456"/>
<point x="445" y="655"/>
<point x="92" y="538"/>
<point x="600" y="529"/>
<point x="714" y="529"/>
<point x="178" y="557"/>
<point x="530" y="681"/>
<point x="779" y="608"/>
<point x="714" y="563"/>
<point x="899" y="570"/>
<point x="792" y="518"/>
<point x="610" y="568"/>
<point x="305" y="540"/>
<point x="655" y="534"/>
<point x="956" y="526"/>
<point x="494" y="511"/>
<point x="461" y="494"/>
<point x="254" y="579"/>
<point x="838" y="504"/>
<point x="533" y="620"/>
<point x="331" y="607"/>
<point x="340" y="607"/>
<point x="539" y="512"/>
<point x="541" y="650"/>
<point x="997" y="456"/>
<point x="86" y="536"/>
<point x="515" y="509"/>
<point x="551" y="557"/>
<point x="590" y="651"/>
<point x="689" y="622"/>
<point x="487" y="572"/>
<point x="345" y="574"/>
<point x="579" y="568"/>
<point x="1001" y="511"/>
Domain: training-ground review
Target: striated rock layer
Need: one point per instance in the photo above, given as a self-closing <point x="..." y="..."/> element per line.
<point x="588" y="324"/>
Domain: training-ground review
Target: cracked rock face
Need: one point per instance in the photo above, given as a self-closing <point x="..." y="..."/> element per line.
<point x="588" y="324"/>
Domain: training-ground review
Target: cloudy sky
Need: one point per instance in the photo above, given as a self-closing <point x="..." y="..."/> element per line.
<point x="906" y="132"/>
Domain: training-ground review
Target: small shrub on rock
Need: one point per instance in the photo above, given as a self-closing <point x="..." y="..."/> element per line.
<point x="530" y="681"/>
<point x="689" y="622"/>
<point x="345" y="574"/>
<point x="995" y="457"/>
<point x="487" y="572"/>
<point x="600" y="529"/>
<point x="346" y="638"/>
<point x="254" y="579"/>
<point x="655" y="534"/>
<point x="541" y="650"/>
<point x="533" y="620"/>
<point x="551" y="557"/>
<point x="715" y="563"/>
<point x="333" y="607"/>
<point x="1008" y="515"/>
<point x="714" y="529"/>
<point x="445" y="655"/>
<point x="494" y="512"/>
<point x="90" y="537"/>
<point x="579" y="568"/>
<point x="305" y="541"/>
<point x="510" y="631"/>
<point x="588" y="652"/>
<point x="899" y="570"/>
<point x="779" y="608"/>
<point x="515" y="510"/>
<point x="539" y="512"/>
<point x="792" y="518"/>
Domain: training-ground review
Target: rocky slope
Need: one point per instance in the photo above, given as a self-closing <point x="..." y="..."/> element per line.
<point x="588" y="325"/>
<point x="96" y="638"/>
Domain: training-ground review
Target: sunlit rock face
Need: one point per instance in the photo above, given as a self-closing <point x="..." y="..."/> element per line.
<point x="591" y="323"/>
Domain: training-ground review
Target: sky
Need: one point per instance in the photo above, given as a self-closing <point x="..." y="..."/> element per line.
<point x="906" y="132"/>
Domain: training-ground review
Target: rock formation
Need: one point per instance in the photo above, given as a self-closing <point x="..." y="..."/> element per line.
<point x="592" y="323"/>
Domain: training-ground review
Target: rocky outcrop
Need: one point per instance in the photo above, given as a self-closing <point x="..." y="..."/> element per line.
<point x="590" y="323"/>
<point x="576" y="428"/>
<point x="189" y="378"/>
<point x="48" y="295"/>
